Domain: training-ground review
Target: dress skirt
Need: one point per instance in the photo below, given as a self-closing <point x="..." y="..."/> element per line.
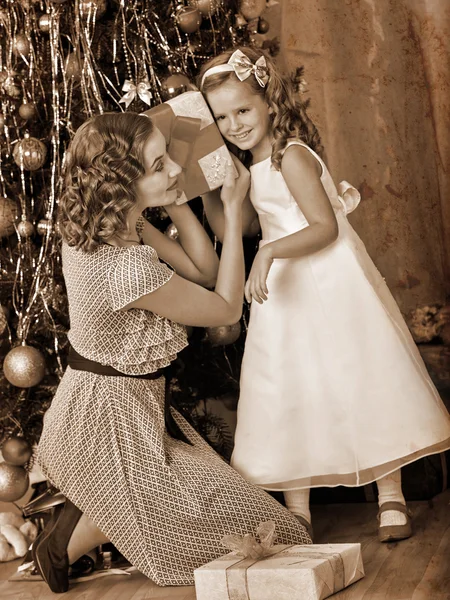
<point x="164" y="504"/>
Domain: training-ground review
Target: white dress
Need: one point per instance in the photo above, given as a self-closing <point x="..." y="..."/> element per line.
<point x="333" y="388"/>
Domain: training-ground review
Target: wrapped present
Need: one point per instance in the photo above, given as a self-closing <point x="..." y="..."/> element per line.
<point x="310" y="572"/>
<point x="193" y="141"/>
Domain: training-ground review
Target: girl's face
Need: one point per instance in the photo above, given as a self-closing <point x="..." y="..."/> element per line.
<point x="159" y="184"/>
<point x="242" y="117"/>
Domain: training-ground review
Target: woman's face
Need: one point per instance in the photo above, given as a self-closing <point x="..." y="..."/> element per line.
<point x="159" y="184"/>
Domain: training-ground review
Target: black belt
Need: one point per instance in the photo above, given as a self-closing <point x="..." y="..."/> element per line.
<point x="79" y="363"/>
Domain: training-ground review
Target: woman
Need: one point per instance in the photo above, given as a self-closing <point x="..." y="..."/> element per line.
<point x="165" y="503"/>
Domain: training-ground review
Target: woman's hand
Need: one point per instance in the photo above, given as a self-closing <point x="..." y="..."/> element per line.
<point x="235" y="189"/>
<point x="256" y="286"/>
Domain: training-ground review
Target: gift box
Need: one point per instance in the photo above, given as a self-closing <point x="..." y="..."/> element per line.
<point x="309" y="572"/>
<point x="193" y="141"/>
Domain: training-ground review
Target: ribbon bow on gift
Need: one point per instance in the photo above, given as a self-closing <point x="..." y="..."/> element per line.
<point x="243" y="67"/>
<point x="248" y="546"/>
<point x="142" y="90"/>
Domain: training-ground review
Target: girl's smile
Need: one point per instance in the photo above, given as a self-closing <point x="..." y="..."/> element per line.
<point x="243" y="118"/>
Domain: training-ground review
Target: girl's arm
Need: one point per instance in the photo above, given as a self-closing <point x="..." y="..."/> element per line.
<point x="301" y="171"/>
<point x="190" y="304"/>
<point x="214" y="213"/>
<point x="194" y="258"/>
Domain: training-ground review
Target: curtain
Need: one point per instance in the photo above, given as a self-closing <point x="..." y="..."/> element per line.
<point x="378" y="77"/>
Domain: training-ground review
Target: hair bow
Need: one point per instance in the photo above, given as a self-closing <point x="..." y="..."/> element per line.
<point x="243" y="67"/>
<point x="142" y="90"/>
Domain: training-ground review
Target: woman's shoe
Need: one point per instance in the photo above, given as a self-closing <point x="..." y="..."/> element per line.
<point x="307" y="525"/>
<point x="394" y="533"/>
<point x="49" y="550"/>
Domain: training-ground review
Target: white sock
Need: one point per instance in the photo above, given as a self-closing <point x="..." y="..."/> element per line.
<point x="297" y="501"/>
<point x="390" y="490"/>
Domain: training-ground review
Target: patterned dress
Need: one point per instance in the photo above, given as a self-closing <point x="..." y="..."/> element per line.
<point x="164" y="504"/>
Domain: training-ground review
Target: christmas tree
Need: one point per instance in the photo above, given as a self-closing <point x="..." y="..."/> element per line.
<point x="60" y="63"/>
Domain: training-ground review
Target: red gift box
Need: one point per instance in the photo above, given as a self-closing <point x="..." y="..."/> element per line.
<point x="193" y="141"/>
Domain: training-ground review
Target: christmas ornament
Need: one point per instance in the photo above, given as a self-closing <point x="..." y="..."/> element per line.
<point x="89" y="6"/>
<point x="223" y="335"/>
<point x="188" y="19"/>
<point x="8" y="214"/>
<point x="44" y="23"/>
<point x="43" y="226"/>
<point x="16" y="451"/>
<point x="30" y="152"/>
<point x="263" y="26"/>
<point x="21" y="46"/>
<point x="172" y="232"/>
<point x="14" y="482"/>
<point x="206" y="7"/>
<point x="24" y="366"/>
<point x="73" y="65"/>
<point x="142" y="90"/>
<point x="25" y="228"/>
<point x="2" y="120"/>
<point x="252" y="9"/>
<point x="174" y="85"/>
<point x="27" y="111"/>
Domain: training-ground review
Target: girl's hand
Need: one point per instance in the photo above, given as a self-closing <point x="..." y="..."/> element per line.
<point x="235" y="189"/>
<point x="256" y="286"/>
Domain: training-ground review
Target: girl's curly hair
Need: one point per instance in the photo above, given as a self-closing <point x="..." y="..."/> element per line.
<point x="103" y="163"/>
<point x="289" y="117"/>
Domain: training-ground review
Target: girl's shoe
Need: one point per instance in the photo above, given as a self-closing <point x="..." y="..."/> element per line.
<point x="393" y="533"/>
<point x="49" y="551"/>
<point x="306" y="524"/>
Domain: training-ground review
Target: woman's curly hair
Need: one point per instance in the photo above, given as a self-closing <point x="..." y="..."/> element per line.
<point x="289" y="117"/>
<point x="103" y="163"/>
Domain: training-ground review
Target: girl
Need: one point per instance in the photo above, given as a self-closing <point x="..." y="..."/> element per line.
<point x="165" y="503"/>
<point x="333" y="388"/>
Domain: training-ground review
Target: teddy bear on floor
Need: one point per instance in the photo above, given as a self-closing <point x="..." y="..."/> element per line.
<point x="16" y="535"/>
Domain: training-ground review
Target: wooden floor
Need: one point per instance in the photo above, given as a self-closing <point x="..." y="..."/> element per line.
<point x="414" y="569"/>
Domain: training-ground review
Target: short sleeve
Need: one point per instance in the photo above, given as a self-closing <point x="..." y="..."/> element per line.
<point x="137" y="272"/>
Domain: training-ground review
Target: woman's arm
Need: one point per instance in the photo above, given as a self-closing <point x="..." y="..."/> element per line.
<point x="301" y="171"/>
<point x="214" y="213"/>
<point x="194" y="258"/>
<point x="185" y="302"/>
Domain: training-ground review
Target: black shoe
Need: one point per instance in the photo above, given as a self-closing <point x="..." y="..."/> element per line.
<point x="49" y="551"/>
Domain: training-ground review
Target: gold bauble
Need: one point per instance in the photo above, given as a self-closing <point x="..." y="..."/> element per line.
<point x="43" y="226"/>
<point x="27" y="111"/>
<point x="172" y="232"/>
<point x="73" y="65"/>
<point x="174" y="85"/>
<point x="30" y="152"/>
<point x="24" y="366"/>
<point x="263" y="26"/>
<point x="188" y="19"/>
<point x="25" y="229"/>
<point x="224" y="334"/>
<point x="252" y="9"/>
<point x="14" y="482"/>
<point x="21" y="45"/>
<point x="8" y="215"/>
<point x="206" y="7"/>
<point x="45" y="23"/>
<point x="16" y="451"/>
